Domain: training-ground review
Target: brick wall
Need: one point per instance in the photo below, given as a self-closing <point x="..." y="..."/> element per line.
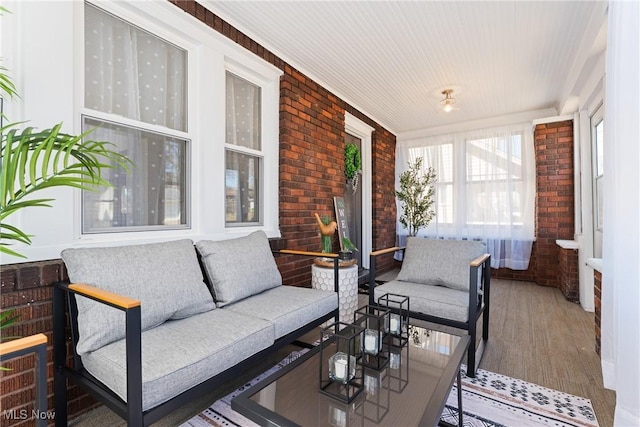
<point x="311" y="174"/>
<point x="597" y="288"/>
<point x="568" y="265"/>
<point x="554" y="196"/>
<point x="554" y="216"/>
<point x="26" y="287"/>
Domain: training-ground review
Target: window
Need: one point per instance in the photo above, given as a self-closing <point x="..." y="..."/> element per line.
<point x="494" y="181"/>
<point x="485" y="189"/>
<point x="597" y="138"/>
<point x="243" y="152"/>
<point x="135" y="96"/>
<point x="440" y="157"/>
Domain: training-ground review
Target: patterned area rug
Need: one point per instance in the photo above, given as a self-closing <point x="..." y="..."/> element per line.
<point x="487" y="400"/>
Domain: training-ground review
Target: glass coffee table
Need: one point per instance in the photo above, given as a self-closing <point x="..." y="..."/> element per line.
<point x="411" y="390"/>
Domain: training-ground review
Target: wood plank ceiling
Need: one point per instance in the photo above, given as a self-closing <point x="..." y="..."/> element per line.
<point x="392" y="59"/>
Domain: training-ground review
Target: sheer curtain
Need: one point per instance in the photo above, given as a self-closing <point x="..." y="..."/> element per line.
<point x="133" y="74"/>
<point x="485" y="190"/>
<point x="243" y="150"/>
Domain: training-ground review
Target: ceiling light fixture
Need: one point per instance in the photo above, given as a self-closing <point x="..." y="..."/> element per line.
<point x="448" y="101"/>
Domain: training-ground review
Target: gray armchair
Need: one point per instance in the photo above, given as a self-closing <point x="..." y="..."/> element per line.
<point x="447" y="282"/>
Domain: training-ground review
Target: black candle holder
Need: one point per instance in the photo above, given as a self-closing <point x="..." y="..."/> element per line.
<point x="398" y="330"/>
<point x="377" y="400"/>
<point x="375" y="322"/>
<point x="398" y="368"/>
<point x="340" y="348"/>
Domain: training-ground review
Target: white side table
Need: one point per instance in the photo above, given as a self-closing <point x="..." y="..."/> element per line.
<point x="322" y="278"/>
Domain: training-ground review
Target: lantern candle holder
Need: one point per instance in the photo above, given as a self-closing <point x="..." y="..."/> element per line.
<point x="377" y="398"/>
<point x="399" y="368"/>
<point x="340" y="349"/>
<point x="374" y="321"/>
<point x="398" y="326"/>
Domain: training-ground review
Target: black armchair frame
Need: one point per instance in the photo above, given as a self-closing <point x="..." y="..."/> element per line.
<point x="479" y="303"/>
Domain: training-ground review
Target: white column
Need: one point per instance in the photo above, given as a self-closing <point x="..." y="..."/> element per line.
<point x="621" y="230"/>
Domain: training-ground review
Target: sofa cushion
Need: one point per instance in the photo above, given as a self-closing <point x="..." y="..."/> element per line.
<point x="180" y="354"/>
<point x="238" y="268"/>
<point x="165" y="277"/>
<point x="428" y="299"/>
<point x="288" y="307"/>
<point x="439" y="262"/>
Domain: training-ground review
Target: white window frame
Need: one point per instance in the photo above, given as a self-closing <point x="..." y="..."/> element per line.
<point x="596" y="119"/>
<point x="210" y="55"/>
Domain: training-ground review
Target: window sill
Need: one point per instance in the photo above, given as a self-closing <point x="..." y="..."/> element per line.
<point x="595" y="263"/>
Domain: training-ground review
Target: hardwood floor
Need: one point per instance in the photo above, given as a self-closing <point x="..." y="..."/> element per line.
<point x="535" y="335"/>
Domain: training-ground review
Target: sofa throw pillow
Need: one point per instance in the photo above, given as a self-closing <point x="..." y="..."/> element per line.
<point x="439" y="262"/>
<point x="238" y="268"/>
<point x="165" y="277"/>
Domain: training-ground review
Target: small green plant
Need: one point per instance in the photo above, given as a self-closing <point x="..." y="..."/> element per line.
<point x="348" y="246"/>
<point x="416" y="194"/>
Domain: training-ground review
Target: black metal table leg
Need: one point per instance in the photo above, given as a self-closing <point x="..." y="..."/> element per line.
<point x="459" y="399"/>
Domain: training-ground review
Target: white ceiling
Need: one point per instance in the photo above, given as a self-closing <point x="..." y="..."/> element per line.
<point x="392" y="59"/>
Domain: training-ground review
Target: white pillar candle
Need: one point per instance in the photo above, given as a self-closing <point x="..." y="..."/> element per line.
<point x="370" y="343"/>
<point x="341" y="369"/>
<point x="395" y="324"/>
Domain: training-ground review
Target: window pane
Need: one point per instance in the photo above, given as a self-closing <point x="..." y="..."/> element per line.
<point x="600" y="148"/>
<point x="242" y="189"/>
<point x="132" y="73"/>
<point x="243" y="113"/>
<point x="494" y="158"/>
<point x="599" y="203"/>
<point x="152" y="194"/>
<point x="495" y="204"/>
<point x="444" y="203"/>
<point x="439" y="157"/>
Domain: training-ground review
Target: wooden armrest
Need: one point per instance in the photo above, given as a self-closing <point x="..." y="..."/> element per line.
<point x="106" y="296"/>
<point x="318" y="254"/>
<point x="22" y="344"/>
<point x="386" y="251"/>
<point x="478" y="261"/>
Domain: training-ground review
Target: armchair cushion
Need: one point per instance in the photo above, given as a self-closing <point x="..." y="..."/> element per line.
<point x="238" y="268"/>
<point x="431" y="300"/>
<point x="165" y="277"/>
<point x="439" y="262"/>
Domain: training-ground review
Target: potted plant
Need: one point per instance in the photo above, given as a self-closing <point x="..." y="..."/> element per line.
<point x="417" y="191"/>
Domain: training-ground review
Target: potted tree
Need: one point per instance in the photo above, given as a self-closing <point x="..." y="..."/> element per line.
<point x="417" y="191"/>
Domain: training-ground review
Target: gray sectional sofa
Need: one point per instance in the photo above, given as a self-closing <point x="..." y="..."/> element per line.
<point x="154" y="326"/>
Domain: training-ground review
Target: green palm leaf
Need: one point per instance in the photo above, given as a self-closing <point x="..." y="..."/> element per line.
<point x="34" y="160"/>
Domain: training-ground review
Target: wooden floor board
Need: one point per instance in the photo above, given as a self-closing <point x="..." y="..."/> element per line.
<point x="538" y="336"/>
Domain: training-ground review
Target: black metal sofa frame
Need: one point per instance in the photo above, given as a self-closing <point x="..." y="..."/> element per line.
<point x="131" y="410"/>
<point x="479" y="301"/>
